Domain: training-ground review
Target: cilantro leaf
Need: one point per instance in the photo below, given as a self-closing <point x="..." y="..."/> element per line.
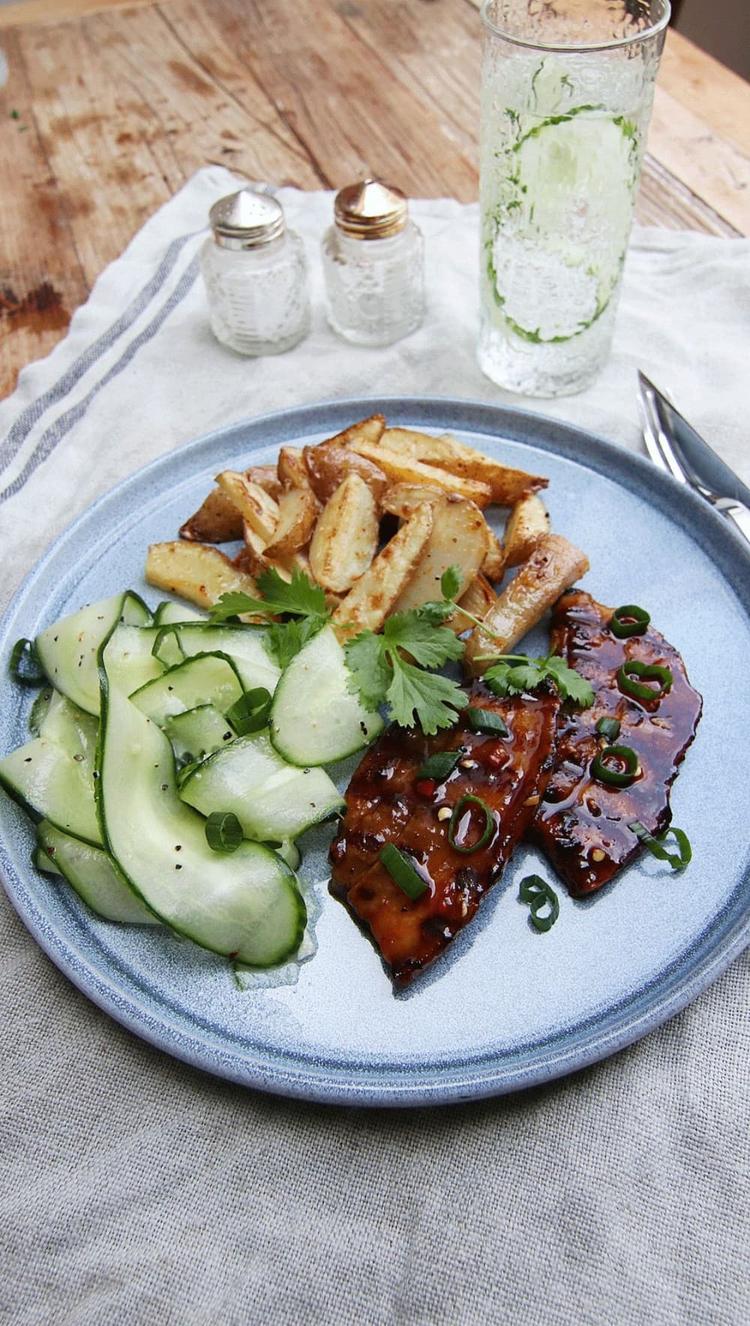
<point x="369" y="668"/>
<point x="430" y="646"/>
<point x="516" y="674"/>
<point x="425" y="697"/>
<point x="450" y="582"/>
<point x="285" y="639"/>
<point x="300" y="597"/>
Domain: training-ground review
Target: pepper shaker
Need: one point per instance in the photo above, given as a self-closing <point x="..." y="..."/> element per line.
<point x="255" y="274"/>
<point x="373" y="264"/>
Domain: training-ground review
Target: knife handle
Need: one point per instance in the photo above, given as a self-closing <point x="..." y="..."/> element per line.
<point x="739" y="516"/>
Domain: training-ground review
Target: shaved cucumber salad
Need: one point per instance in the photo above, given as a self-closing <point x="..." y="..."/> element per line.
<point x="172" y="765"/>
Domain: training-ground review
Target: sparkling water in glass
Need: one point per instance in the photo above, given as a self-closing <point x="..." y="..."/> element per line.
<point x="567" y="90"/>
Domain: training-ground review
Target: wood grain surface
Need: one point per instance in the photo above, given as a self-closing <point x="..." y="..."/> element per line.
<point x="110" y="106"/>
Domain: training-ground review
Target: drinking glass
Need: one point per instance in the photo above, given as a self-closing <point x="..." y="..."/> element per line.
<point x="567" y="90"/>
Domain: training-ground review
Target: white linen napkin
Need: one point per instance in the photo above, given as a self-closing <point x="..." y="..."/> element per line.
<point x="135" y="1189"/>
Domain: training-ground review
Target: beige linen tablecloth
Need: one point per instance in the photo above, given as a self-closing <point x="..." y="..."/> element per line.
<point x="136" y="1190"/>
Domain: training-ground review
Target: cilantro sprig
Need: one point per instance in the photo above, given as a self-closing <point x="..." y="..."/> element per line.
<point x="298" y="599"/>
<point x="517" y="674"/>
<point x="396" y="668"/>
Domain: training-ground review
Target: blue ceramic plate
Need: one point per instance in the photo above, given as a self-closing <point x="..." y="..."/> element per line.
<point x="507" y="1007"/>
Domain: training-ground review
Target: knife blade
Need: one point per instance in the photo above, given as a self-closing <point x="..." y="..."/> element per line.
<point x="700" y="462"/>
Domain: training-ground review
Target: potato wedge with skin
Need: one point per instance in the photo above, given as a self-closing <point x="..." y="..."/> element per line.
<point x="402" y="469"/>
<point x="527" y="523"/>
<point x="266" y="478"/>
<point x="459" y="538"/>
<point x="254" y="558"/>
<point x="217" y="520"/>
<point x="494" y="563"/>
<point x="298" y="512"/>
<point x="346" y="536"/>
<point x="329" y="463"/>
<point x="506" y="485"/>
<point x="196" y="572"/>
<point x="369" y="602"/>
<point x="254" y="504"/>
<point x="368" y="430"/>
<point x="554" y="565"/>
<point x="291" y="468"/>
<point x="402" y="499"/>
<point x="477" y="599"/>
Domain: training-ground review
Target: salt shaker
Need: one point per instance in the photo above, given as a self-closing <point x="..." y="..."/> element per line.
<point x="256" y="275"/>
<point x="373" y="264"/>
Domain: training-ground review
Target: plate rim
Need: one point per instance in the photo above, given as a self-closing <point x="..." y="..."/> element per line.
<point x="707" y="529"/>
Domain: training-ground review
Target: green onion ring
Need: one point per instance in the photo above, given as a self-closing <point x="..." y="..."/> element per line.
<point x="485" y="720"/>
<point x="223" y="831"/>
<point x="634" y="668"/>
<point x="655" y="844"/>
<point x="537" y="894"/>
<point x="628" y="620"/>
<point x="250" y="712"/>
<point x="402" y="872"/>
<point x="24" y="665"/>
<point x="440" y="765"/>
<point x="458" y="811"/>
<point x="614" y="777"/>
<point x="609" y="728"/>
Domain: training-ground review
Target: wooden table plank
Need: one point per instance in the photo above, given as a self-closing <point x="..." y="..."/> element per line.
<point x="118" y="106"/>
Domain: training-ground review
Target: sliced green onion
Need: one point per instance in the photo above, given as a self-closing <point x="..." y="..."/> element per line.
<point x="624" y="755"/>
<point x="461" y="807"/>
<point x="609" y="728"/>
<point x="402" y="871"/>
<point x="440" y="765"/>
<point x="484" y="720"/>
<point x="629" y="620"/>
<point x="223" y="831"/>
<point x="655" y="844"/>
<point x="24" y="666"/>
<point x="634" y="668"/>
<point x="250" y="712"/>
<point x="538" y="894"/>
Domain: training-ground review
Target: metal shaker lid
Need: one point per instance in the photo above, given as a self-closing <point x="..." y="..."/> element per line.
<point x="370" y="210"/>
<point x="246" y="220"/>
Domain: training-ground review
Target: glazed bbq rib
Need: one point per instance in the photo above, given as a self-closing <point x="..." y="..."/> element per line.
<point x="582" y="824"/>
<point x="387" y="802"/>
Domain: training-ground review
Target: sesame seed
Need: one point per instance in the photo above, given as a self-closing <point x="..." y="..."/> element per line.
<point x="532" y="801"/>
<point x="468" y="764"/>
<point x="598" y="854"/>
<point x="444" y="813"/>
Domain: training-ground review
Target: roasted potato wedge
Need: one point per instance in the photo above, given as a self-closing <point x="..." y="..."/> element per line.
<point x="369" y="602"/>
<point x="195" y="572"/>
<point x="493" y="565"/>
<point x="477" y="599"/>
<point x="554" y="565"/>
<point x="298" y="512"/>
<point x="267" y="478"/>
<point x="254" y="558"/>
<point x="506" y="485"/>
<point x="329" y="463"/>
<point x="254" y="504"/>
<point x="366" y="430"/>
<point x="346" y="536"/>
<point x="459" y="538"/>
<point x="527" y="522"/>
<point x="291" y="468"/>
<point x="402" y="499"/>
<point x="217" y="520"/>
<point x="402" y="469"/>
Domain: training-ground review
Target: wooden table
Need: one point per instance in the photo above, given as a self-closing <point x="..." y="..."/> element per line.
<point x="110" y="106"/>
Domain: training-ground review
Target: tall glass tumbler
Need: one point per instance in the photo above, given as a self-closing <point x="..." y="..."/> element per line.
<point x="567" y="90"/>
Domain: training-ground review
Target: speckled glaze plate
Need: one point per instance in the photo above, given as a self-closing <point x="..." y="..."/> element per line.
<point x="506" y="1008"/>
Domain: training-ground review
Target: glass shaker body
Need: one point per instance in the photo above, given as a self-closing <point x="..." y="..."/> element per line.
<point x="258" y="297"/>
<point x="374" y="287"/>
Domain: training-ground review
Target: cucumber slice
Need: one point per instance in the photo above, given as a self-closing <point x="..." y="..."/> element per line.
<point x="54" y="784"/>
<point x="71" y="728"/>
<point x="272" y="800"/>
<point x="245" y="645"/>
<point x="39" y="709"/>
<point x="315" y="719"/>
<point x="41" y="861"/>
<point x="203" y="679"/>
<point x="130" y="658"/>
<point x="68" y="650"/>
<point x="290" y="853"/>
<point x="245" y="905"/>
<point x="198" y="732"/>
<point x="169" y="611"/>
<point x="167" y="648"/>
<point x="93" y="875"/>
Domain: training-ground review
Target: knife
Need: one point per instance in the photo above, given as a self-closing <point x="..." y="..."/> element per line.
<point x="685" y="450"/>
